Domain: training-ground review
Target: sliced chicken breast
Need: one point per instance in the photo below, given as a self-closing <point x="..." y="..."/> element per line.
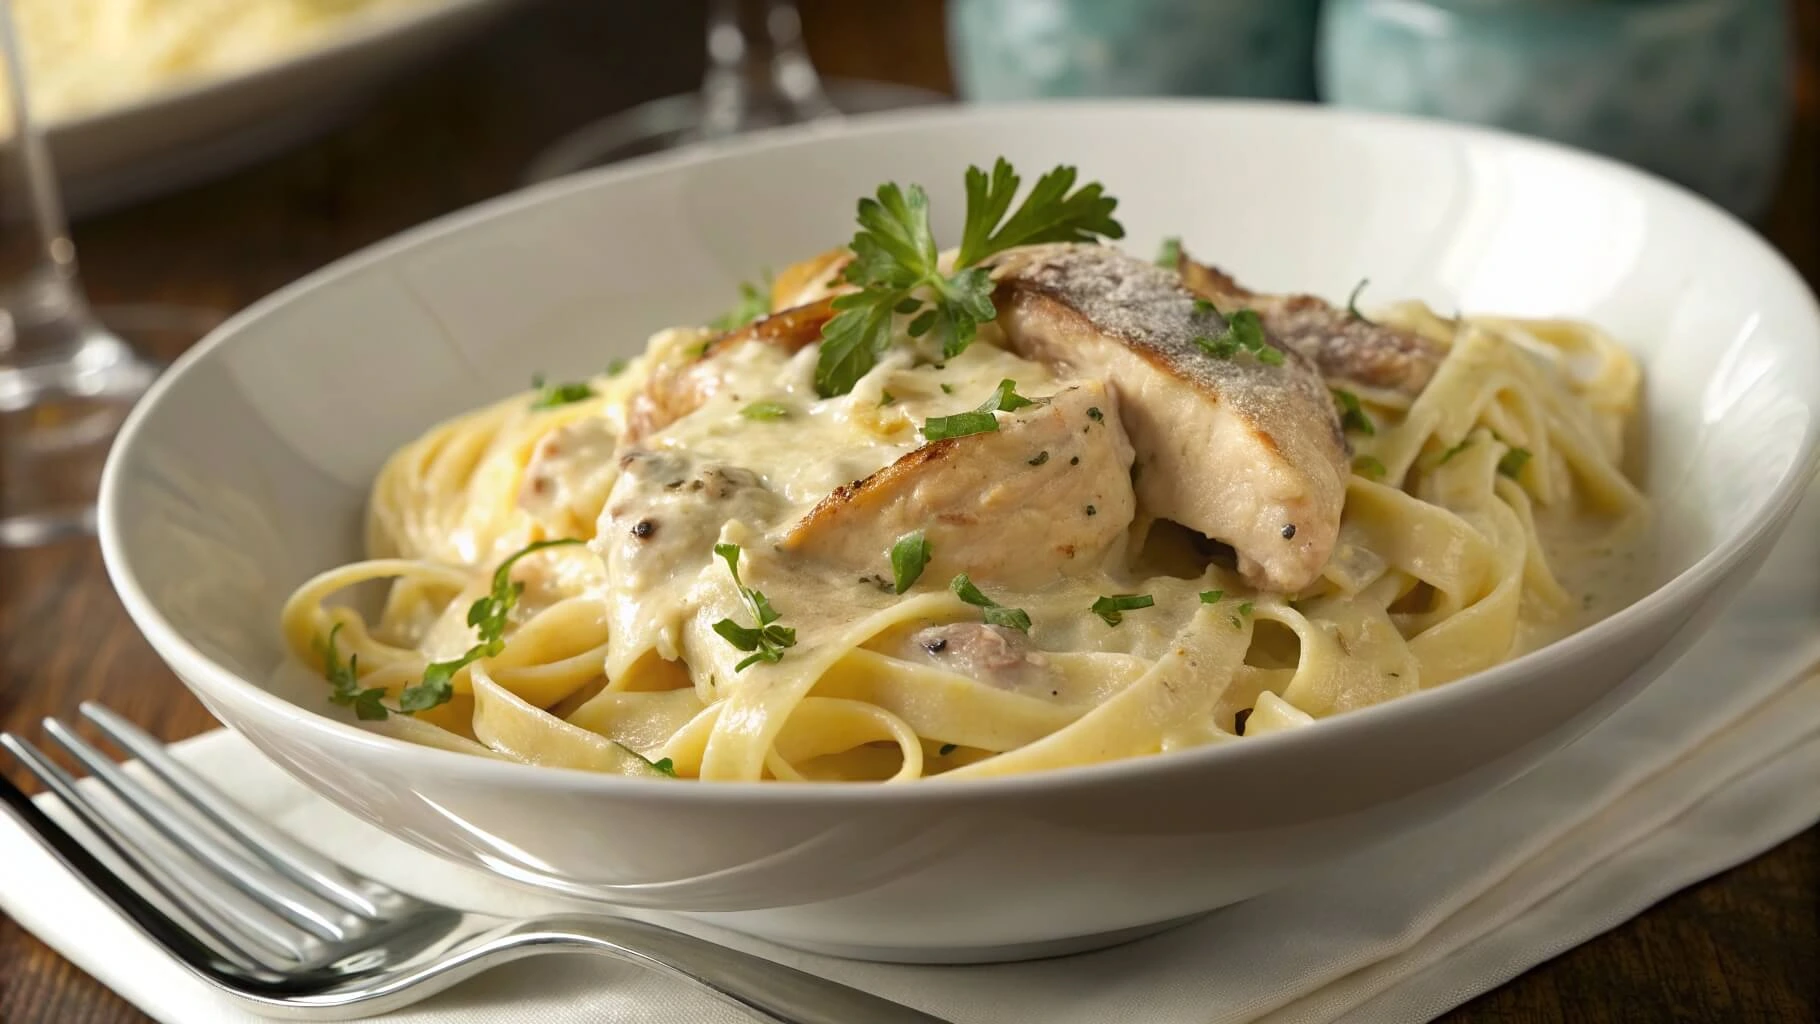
<point x="1343" y="347"/>
<point x="1242" y="451"/>
<point x="1044" y="496"/>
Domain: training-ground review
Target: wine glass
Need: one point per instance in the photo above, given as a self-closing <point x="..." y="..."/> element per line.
<point x="758" y="76"/>
<point x="66" y="381"/>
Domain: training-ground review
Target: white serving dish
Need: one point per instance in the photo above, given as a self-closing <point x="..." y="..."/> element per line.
<point x="245" y="471"/>
<point x="193" y="131"/>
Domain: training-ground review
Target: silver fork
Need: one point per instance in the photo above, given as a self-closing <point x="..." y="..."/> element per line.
<point x="286" y="932"/>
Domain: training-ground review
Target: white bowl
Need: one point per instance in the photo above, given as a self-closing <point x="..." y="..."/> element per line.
<point x="246" y="468"/>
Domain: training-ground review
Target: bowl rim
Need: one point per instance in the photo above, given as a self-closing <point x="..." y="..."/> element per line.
<point x="210" y="678"/>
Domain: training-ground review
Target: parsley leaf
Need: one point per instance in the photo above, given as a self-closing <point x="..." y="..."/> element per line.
<point x="766" y="641"/>
<point x="894" y="255"/>
<point x="1370" y="467"/>
<point x="1465" y="442"/>
<point x="1244" y="333"/>
<point x="1352" y="303"/>
<point x="1212" y="596"/>
<point x="1511" y="465"/>
<point x="765" y="411"/>
<point x="754" y="302"/>
<point x="615" y="367"/>
<point x="1169" y="254"/>
<point x="1352" y="413"/>
<point x="366" y="701"/>
<point x="1112" y="608"/>
<point x="961" y="424"/>
<point x="549" y="396"/>
<point x="1005" y="398"/>
<point x="908" y="558"/>
<point x="995" y="613"/>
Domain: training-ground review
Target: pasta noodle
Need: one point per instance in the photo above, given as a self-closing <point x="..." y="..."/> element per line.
<point x="1486" y="515"/>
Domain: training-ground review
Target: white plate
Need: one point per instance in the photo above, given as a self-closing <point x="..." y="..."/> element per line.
<point x="190" y="132"/>
<point x="246" y="468"/>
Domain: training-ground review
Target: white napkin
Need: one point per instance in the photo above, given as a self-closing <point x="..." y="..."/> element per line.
<point x="1715" y="763"/>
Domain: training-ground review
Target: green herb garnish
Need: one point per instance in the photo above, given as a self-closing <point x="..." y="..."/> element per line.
<point x="754" y="302"/>
<point x="1369" y="467"/>
<point x="1352" y="413"/>
<point x="995" y="613"/>
<point x="615" y="367"/>
<point x="765" y="411"/>
<point x="1169" y="254"/>
<point x="549" y="396"/>
<point x="894" y="255"/>
<point x="1455" y="450"/>
<point x="908" y="558"/>
<point x="1212" y="596"/>
<point x="766" y="641"/>
<point x="886" y="398"/>
<point x="1112" y="608"/>
<point x="487" y="616"/>
<point x="981" y="420"/>
<point x="1244" y="333"/>
<point x="1352" y="302"/>
<point x="1511" y="465"/>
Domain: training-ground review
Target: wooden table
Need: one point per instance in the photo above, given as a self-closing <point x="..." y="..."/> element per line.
<point x="1738" y="947"/>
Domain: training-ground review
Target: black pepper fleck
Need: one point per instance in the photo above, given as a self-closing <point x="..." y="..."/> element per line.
<point x="1095" y="414"/>
<point x="1041" y="457"/>
<point x="643" y="529"/>
<point x="1288" y="531"/>
<point x="1075" y="461"/>
<point x="935" y="646"/>
<point x="1092" y="511"/>
<point x="1239" y="720"/>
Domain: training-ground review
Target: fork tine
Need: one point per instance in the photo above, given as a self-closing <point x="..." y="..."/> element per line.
<point x="324" y="877"/>
<point x="280" y="895"/>
<point x="233" y="935"/>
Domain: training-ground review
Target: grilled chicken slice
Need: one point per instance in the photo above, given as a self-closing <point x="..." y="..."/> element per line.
<point x="1343" y="347"/>
<point x="1244" y="452"/>
<point x="1045" y="496"/>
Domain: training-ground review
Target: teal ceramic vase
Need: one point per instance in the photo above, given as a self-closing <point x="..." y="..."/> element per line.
<point x="1695" y="90"/>
<point x="1035" y="49"/>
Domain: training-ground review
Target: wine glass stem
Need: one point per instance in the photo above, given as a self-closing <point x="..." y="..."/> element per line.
<point x="43" y="316"/>
<point x="759" y="73"/>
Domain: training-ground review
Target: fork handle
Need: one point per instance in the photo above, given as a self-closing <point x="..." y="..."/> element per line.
<point x="769" y="991"/>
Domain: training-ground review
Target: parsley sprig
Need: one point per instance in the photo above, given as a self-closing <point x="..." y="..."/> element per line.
<point x="767" y="640"/>
<point x="754" y="302"/>
<point x="487" y="616"/>
<point x="1352" y="413"/>
<point x="895" y="256"/>
<point x="909" y="556"/>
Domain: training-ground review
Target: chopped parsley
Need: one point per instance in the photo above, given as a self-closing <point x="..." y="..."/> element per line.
<point x="1513" y="461"/>
<point x="487" y="616"/>
<point x="1169" y="254"/>
<point x="1212" y="596"/>
<point x="549" y="396"/>
<point x="981" y="420"/>
<point x="1244" y="333"/>
<point x="1352" y="413"/>
<point x="1465" y="442"/>
<point x="767" y="640"/>
<point x="909" y="556"/>
<point x="1204" y="306"/>
<point x="1112" y="609"/>
<point x="1094" y="414"/>
<point x="765" y="411"/>
<point x="895" y="256"/>
<point x="947" y="388"/>
<point x="995" y="613"/>
<point x="1245" y="608"/>
<point x="886" y="398"/>
<point x="1352" y="302"/>
<point x="753" y="303"/>
<point x="615" y="367"/>
<point x="1370" y="467"/>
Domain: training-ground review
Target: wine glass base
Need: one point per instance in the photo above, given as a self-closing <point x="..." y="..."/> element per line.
<point x="58" y="420"/>
<point x="676" y="121"/>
